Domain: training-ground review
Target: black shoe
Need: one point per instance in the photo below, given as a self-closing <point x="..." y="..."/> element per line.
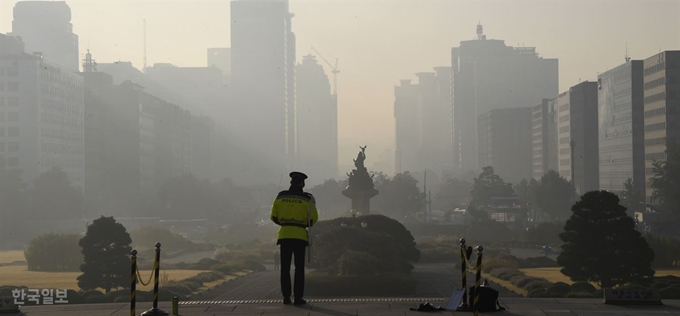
<point x="300" y="301"/>
<point x="287" y="301"/>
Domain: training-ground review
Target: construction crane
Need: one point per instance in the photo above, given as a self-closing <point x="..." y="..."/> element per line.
<point x="334" y="70"/>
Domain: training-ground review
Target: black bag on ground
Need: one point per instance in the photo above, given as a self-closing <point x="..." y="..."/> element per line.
<point x="488" y="299"/>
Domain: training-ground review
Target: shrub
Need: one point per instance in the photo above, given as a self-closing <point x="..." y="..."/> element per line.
<point x="506" y="274"/>
<point x="671" y="292"/>
<point x="358" y="263"/>
<point x="146" y="237"/>
<point x="178" y="288"/>
<point x="537" y="262"/>
<point x="226" y="268"/>
<point x="497" y="272"/>
<point x="521" y="280"/>
<point x="74" y="297"/>
<point x="384" y="238"/>
<point x="94" y="296"/>
<point x="580" y="294"/>
<point x="204" y="277"/>
<point x="539" y="284"/>
<point x="539" y="292"/>
<point x="497" y="263"/>
<point x="54" y="253"/>
<point x="255" y="266"/>
<point x="582" y="287"/>
<point x="559" y="289"/>
<point x="203" y="264"/>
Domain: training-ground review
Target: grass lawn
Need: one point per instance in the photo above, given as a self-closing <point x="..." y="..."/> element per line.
<point x="20" y="276"/>
<point x="11" y="256"/>
<point x="210" y="285"/>
<point x="554" y="274"/>
<point x="505" y="284"/>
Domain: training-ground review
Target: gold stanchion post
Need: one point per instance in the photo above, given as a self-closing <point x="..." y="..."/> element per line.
<point x="477" y="279"/>
<point x="463" y="269"/>
<point x="133" y="282"/>
<point x="155" y="311"/>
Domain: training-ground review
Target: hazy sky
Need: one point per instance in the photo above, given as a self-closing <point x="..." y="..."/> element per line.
<point x="380" y="42"/>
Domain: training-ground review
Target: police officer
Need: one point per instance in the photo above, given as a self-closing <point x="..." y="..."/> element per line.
<point x="291" y="211"/>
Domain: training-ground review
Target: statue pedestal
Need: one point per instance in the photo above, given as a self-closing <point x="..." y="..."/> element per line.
<point x="361" y="199"/>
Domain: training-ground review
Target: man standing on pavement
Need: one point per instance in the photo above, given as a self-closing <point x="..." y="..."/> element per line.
<point x="294" y="210"/>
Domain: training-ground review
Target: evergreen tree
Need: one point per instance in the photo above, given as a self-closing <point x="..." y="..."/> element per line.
<point x="601" y="244"/>
<point x="106" y="247"/>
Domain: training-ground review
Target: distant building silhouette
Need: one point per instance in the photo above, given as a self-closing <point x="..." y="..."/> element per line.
<point x="220" y="57"/>
<point x="197" y="89"/>
<point x="45" y="26"/>
<point x="661" y="95"/>
<point x="577" y="140"/>
<point x="544" y="138"/>
<point x="489" y="75"/>
<point x="11" y="45"/>
<point x="262" y="89"/>
<point x="504" y="140"/>
<point x="317" y="118"/>
<point x="41" y="122"/>
<point x="423" y="123"/>
<point x="407" y="126"/>
<point x="621" y="127"/>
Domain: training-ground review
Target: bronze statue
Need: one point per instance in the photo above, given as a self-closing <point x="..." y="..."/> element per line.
<point x="360" y="187"/>
<point x="361" y="156"/>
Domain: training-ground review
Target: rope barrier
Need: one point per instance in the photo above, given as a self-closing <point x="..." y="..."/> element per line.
<point x="477" y="279"/>
<point x="135" y="276"/>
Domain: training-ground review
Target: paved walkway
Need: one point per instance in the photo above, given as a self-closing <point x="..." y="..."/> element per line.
<point x="516" y="306"/>
<point x="434" y="280"/>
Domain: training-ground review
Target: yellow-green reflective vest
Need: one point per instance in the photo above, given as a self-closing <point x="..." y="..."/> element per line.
<point x="290" y="211"/>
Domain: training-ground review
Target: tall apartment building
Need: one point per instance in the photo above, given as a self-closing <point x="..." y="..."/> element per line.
<point x="317" y="111"/>
<point x="505" y="142"/>
<point x="423" y="123"/>
<point x="200" y="90"/>
<point x="41" y="117"/>
<point x="407" y="127"/>
<point x="220" y="58"/>
<point x="661" y="105"/>
<point x="45" y="27"/>
<point x="487" y="75"/>
<point x="262" y="102"/>
<point x="577" y="140"/>
<point x="544" y="138"/>
<point x="621" y="127"/>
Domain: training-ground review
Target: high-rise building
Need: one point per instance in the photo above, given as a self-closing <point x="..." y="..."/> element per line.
<point x="262" y="92"/>
<point x="317" y="121"/>
<point x="661" y="104"/>
<point x="407" y="126"/>
<point x="578" y="145"/>
<point x="435" y="115"/>
<point x="203" y="147"/>
<point x="621" y="127"/>
<point x="197" y="89"/>
<point x="10" y="45"/>
<point x="489" y="75"/>
<point x="422" y="115"/>
<point x="41" y="117"/>
<point x="220" y="58"/>
<point x="45" y="27"/>
<point x="544" y="138"/>
<point x="504" y="140"/>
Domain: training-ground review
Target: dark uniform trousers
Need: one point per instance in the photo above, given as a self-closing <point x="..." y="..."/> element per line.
<point x="290" y="248"/>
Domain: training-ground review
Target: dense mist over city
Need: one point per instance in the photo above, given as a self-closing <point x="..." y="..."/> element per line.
<point x="190" y="115"/>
